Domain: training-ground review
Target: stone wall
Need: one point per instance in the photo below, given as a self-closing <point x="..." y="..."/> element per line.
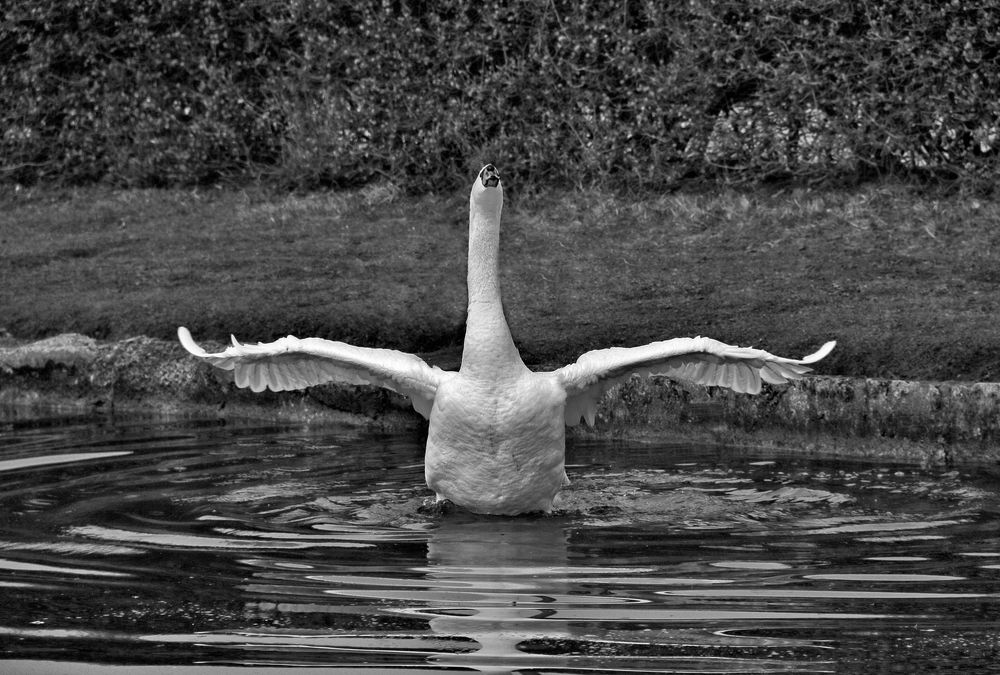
<point x="927" y="422"/>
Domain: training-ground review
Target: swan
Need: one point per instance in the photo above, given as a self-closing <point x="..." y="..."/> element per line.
<point x="496" y="431"/>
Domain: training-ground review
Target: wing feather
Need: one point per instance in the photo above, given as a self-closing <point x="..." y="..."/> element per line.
<point x="291" y="363"/>
<point x="697" y="360"/>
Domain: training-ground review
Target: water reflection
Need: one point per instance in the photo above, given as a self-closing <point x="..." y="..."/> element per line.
<point x="517" y="568"/>
<point x="171" y="543"/>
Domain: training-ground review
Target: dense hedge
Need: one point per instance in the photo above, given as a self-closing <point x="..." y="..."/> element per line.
<point x="636" y="92"/>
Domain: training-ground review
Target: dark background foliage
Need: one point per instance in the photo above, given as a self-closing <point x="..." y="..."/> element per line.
<point x="637" y="93"/>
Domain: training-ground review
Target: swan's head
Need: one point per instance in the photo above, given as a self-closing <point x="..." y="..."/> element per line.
<point x="487" y="192"/>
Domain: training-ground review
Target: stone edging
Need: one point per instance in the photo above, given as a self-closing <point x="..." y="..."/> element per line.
<point x="928" y="422"/>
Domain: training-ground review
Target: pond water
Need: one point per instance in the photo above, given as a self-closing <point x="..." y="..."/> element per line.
<point x="148" y="546"/>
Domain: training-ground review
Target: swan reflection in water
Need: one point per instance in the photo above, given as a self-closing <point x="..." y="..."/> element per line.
<point x="501" y="561"/>
<point x="501" y="593"/>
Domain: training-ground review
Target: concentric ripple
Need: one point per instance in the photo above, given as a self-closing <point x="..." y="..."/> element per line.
<point x="150" y="544"/>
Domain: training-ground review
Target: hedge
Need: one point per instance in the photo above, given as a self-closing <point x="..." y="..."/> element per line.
<point x="637" y="93"/>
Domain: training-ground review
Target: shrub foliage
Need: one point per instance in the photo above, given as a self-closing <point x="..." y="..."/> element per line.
<point x="633" y="92"/>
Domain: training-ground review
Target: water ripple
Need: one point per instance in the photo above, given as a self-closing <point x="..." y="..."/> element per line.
<point x="158" y="544"/>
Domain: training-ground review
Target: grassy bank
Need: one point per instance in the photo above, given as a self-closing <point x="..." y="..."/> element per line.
<point x="908" y="285"/>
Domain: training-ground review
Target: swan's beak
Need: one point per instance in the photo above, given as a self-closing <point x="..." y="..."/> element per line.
<point x="489" y="176"/>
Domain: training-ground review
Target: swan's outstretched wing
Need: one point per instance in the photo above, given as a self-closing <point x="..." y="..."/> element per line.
<point x="699" y="360"/>
<point x="291" y="363"/>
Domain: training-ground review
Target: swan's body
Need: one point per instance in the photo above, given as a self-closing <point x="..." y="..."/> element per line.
<point x="496" y="439"/>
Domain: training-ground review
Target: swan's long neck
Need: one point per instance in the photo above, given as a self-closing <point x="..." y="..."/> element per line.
<point x="489" y="349"/>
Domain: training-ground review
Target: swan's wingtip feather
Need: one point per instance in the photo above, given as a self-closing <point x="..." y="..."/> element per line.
<point x="187" y="341"/>
<point x="821" y="353"/>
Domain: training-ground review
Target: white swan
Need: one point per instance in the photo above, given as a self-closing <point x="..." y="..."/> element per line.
<point x="496" y="438"/>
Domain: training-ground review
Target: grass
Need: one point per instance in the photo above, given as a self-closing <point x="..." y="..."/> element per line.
<point x="909" y="285"/>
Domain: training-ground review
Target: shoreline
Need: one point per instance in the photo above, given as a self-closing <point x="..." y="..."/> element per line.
<point x="930" y="423"/>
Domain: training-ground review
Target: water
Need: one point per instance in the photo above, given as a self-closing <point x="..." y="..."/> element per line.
<point x="169" y="546"/>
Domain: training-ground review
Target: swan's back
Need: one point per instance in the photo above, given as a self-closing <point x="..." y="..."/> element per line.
<point x="498" y="447"/>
